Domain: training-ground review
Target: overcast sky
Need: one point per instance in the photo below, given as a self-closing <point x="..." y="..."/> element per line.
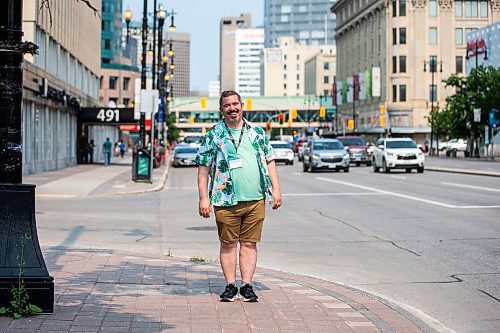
<point x="201" y="19"/>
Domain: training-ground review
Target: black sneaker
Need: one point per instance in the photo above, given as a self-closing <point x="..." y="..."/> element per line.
<point x="229" y="295"/>
<point x="247" y="293"/>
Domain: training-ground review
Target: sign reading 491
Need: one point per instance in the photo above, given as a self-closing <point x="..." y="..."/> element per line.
<point x="109" y="115"/>
<point x="106" y="116"/>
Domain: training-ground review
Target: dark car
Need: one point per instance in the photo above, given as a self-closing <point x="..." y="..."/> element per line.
<point x="359" y="151"/>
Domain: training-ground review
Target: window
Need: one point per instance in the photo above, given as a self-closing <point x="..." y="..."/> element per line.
<point x="483" y="5"/>
<point x="298" y="86"/>
<point x="298" y="56"/>
<point x="433" y="38"/>
<point x="394" y="8"/>
<point x="432" y="8"/>
<point x="402" y="64"/>
<point x="107" y="44"/>
<point x="126" y="83"/>
<point x="100" y="82"/>
<point x="284" y="66"/>
<point x="394" y="36"/>
<point x="298" y="76"/>
<point x="470" y="8"/>
<point x="126" y="102"/>
<point x="402" y="93"/>
<point x="402" y="35"/>
<point x="284" y="57"/>
<point x="112" y="82"/>
<point x="402" y="7"/>
<point x="433" y="62"/>
<point x="459" y="36"/>
<point x="284" y="76"/>
<point x="298" y="67"/>
<point x="458" y="9"/>
<point x="459" y="64"/>
<point x="326" y="65"/>
<point x="394" y="64"/>
<point x="394" y="93"/>
<point x="325" y="79"/>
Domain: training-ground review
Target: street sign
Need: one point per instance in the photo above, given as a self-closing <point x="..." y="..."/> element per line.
<point x="106" y="116"/>
<point x="494" y="118"/>
<point x="477" y="115"/>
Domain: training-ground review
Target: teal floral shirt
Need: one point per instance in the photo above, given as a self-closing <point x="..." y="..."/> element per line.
<point x="213" y="154"/>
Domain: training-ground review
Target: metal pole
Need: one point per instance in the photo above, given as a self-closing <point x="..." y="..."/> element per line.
<point x="353" y="106"/>
<point x="11" y="81"/>
<point x="154" y="46"/>
<point x="144" y="44"/>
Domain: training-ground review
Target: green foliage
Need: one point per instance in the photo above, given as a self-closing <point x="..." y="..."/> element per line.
<point x="481" y="89"/>
<point x="173" y="130"/>
<point x="20" y="305"/>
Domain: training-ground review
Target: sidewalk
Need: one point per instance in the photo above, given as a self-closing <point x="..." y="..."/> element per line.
<point x="111" y="291"/>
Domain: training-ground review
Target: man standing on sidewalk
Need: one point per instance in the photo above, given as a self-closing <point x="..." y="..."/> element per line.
<point x="239" y="161"/>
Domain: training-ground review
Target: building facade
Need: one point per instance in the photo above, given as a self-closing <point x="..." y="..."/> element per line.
<point x="248" y="45"/>
<point x="60" y="79"/>
<point x="319" y="74"/>
<point x="385" y="79"/>
<point x="227" y="64"/>
<point x="283" y="66"/>
<point x="310" y="21"/>
<point x="181" y="45"/>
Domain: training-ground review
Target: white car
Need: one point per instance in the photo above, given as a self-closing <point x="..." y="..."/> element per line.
<point x="397" y="153"/>
<point x="455" y="145"/>
<point x="283" y="152"/>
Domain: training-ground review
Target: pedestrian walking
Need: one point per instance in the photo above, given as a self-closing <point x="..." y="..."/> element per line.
<point x="106" y="150"/>
<point x="121" y="147"/>
<point x="238" y="161"/>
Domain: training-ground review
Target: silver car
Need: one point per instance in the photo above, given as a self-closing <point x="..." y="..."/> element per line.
<point x="325" y="154"/>
<point x="184" y="155"/>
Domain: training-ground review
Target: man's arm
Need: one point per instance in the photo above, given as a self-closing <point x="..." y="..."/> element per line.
<point x="273" y="174"/>
<point x="204" y="201"/>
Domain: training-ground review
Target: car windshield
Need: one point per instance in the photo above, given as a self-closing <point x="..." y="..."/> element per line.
<point x="401" y="144"/>
<point x="192" y="139"/>
<point x="353" y="141"/>
<point x="281" y="145"/>
<point x="328" y="146"/>
<point x="186" y="150"/>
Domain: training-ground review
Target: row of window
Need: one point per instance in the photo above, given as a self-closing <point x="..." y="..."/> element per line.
<point x="433" y="36"/>
<point x="459" y="34"/>
<point x="113" y="81"/>
<point x="459" y="64"/>
<point x="463" y="8"/>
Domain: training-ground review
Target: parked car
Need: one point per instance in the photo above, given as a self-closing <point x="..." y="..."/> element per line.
<point x="397" y="153"/>
<point x="357" y="148"/>
<point x="184" y="155"/>
<point x="325" y="154"/>
<point x="283" y="152"/>
<point x="455" y="145"/>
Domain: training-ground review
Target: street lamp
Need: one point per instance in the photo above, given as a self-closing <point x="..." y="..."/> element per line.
<point x="127" y="16"/>
<point x="161" y="14"/>
<point x="433" y="68"/>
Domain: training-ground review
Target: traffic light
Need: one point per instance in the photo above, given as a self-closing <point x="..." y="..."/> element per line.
<point x="294" y="114"/>
<point x="350" y="125"/>
<point x="281" y="118"/>
<point x="203" y="102"/>
<point x="191" y="120"/>
<point x="289" y="122"/>
<point x="248" y="104"/>
<point x="382" y="115"/>
<point x="268" y="126"/>
<point x="322" y="112"/>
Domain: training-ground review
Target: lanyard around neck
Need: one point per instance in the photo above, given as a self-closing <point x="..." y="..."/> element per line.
<point x="232" y="138"/>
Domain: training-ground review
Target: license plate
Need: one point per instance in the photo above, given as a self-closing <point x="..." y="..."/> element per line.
<point x="332" y="166"/>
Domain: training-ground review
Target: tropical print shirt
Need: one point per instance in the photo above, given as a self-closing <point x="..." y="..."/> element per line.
<point x="213" y="154"/>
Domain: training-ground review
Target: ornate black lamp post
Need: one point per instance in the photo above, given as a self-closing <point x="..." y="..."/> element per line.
<point x="433" y="68"/>
<point x="127" y="16"/>
<point x="19" y="247"/>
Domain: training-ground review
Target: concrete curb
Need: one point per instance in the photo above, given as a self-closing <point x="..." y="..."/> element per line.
<point x="464" y="171"/>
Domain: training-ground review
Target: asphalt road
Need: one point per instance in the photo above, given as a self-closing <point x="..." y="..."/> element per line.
<point x="429" y="242"/>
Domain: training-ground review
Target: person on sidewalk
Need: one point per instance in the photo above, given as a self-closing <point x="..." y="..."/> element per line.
<point x="106" y="149"/>
<point x="91" y="151"/>
<point x="122" y="147"/>
<point x="237" y="158"/>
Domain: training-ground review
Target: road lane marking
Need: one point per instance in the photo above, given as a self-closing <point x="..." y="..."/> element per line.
<point x="474" y="187"/>
<point x="398" y="177"/>
<point x="432" y="202"/>
<point x="327" y="194"/>
<point x="55" y="196"/>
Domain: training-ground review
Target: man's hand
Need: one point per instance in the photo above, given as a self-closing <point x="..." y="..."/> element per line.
<point x="277" y="199"/>
<point x="204" y="208"/>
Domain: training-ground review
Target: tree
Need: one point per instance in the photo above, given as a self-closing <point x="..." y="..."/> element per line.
<point x="481" y="89"/>
<point x="173" y="130"/>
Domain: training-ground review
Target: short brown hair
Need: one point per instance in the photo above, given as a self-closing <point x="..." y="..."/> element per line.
<point x="228" y="93"/>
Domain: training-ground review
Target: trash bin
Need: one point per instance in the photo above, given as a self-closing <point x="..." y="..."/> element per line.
<point x="140" y="165"/>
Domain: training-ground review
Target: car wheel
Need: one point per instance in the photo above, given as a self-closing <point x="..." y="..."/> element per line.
<point x="385" y="169"/>
<point x="374" y="165"/>
<point x="291" y="163"/>
<point x="420" y="170"/>
<point x="346" y="169"/>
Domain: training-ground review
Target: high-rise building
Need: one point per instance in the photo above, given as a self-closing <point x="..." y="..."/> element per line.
<point x="393" y="56"/>
<point x="309" y="21"/>
<point x="228" y="26"/>
<point x="248" y="45"/>
<point x="283" y="66"/>
<point x="181" y="45"/>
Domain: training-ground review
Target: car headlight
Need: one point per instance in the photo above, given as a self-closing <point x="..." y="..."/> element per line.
<point x="315" y="156"/>
<point x="391" y="154"/>
<point x="346" y="155"/>
<point x="420" y="155"/>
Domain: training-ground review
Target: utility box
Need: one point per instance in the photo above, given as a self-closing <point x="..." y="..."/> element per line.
<point x="141" y="170"/>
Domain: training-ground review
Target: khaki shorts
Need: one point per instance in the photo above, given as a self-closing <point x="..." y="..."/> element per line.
<point x="241" y="222"/>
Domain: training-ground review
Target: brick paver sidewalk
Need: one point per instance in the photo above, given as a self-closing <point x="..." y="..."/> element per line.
<point x="102" y="291"/>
